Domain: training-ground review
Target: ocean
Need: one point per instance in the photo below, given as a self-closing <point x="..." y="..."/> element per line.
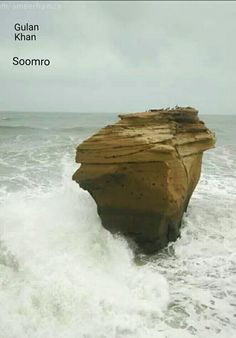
<point x="62" y="275"/>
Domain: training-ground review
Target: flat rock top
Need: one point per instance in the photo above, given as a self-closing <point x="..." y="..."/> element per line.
<point x="154" y="135"/>
<point x="177" y="114"/>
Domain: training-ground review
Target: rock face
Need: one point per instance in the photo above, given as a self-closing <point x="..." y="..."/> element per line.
<point x="142" y="171"/>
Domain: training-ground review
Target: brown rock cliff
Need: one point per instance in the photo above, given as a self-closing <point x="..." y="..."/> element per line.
<point x="142" y="171"/>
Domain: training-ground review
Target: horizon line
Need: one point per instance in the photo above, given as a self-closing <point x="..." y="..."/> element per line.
<point x="87" y="112"/>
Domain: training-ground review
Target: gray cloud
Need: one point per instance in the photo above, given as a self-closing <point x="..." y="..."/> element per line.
<point x="120" y="56"/>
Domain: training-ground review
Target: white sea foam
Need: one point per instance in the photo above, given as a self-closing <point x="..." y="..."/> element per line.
<point x="62" y="275"/>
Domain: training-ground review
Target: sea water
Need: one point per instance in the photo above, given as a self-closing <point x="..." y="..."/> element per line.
<point x="62" y="275"/>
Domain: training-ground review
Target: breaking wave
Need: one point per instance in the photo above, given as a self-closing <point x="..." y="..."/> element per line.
<point x="62" y="275"/>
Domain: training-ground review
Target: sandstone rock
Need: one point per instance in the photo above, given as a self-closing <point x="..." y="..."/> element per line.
<point x="142" y="171"/>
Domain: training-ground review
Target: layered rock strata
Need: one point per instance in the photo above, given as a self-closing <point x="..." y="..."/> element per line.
<point x="142" y="171"/>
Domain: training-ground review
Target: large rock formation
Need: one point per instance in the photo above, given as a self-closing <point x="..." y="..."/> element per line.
<point x="142" y="171"/>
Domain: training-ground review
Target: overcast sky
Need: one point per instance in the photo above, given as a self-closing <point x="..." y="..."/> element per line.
<point x="120" y="56"/>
